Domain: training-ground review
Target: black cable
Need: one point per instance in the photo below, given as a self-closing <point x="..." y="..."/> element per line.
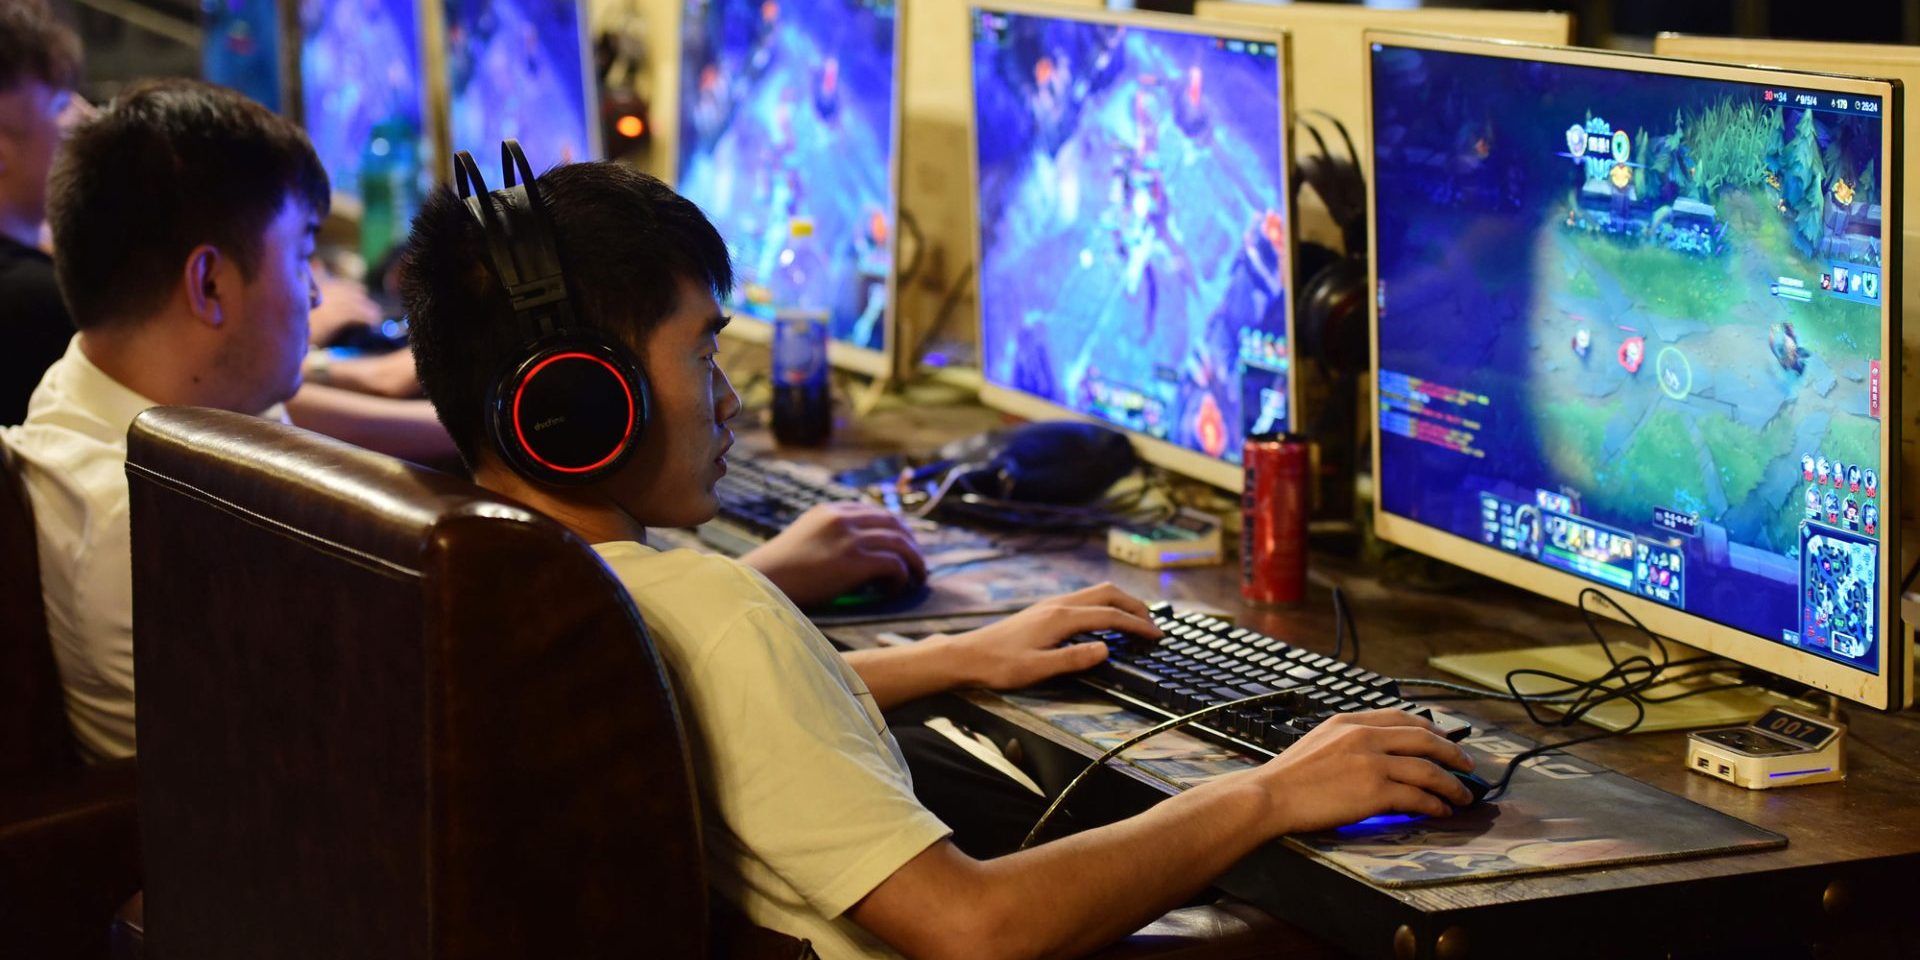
<point x="1040" y="825"/>
<point x="1345" y="626"/>
<point x="1596" y="692"/>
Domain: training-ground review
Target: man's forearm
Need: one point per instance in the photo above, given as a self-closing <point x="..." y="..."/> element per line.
<point x="1076" y="894"/>
<point x="897" y="675"/>
<point x="400" y="428"/>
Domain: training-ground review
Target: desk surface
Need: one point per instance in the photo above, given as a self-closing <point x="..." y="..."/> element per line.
<point x="1868" y="819"/>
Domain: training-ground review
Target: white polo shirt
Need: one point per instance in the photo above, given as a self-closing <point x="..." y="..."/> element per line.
<point x="807" y="800"/>
<point x="73" y="448"/>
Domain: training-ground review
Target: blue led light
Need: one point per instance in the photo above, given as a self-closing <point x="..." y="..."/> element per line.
<point x="1797" y="773"/>
<point x="1383" y="820"/>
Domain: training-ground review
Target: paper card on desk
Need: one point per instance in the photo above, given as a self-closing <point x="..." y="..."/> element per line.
<point x="1560" y="813"/>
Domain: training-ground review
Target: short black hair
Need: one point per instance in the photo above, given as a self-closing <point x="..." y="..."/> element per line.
<point x="625" y="241"/>
<point x="34" y="46"/>
<point x="167" y="166"/>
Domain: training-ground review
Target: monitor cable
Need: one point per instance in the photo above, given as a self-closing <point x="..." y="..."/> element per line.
<point x="1630" y="679"/>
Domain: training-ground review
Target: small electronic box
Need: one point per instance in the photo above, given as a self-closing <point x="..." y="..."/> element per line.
<point x="1781" y="749"/>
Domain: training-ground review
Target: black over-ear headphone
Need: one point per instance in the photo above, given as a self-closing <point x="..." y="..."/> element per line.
<point x="1330" y="304"/>
<point x="573" y="406"/>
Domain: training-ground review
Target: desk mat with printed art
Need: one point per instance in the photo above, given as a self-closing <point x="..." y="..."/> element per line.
<point x="1560" y="812"/>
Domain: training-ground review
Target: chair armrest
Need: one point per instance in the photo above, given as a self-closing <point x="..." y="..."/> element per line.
<point x="69" y="857"/>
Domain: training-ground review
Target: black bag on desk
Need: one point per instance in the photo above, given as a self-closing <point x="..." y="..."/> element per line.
<point x="1053" y="462"/>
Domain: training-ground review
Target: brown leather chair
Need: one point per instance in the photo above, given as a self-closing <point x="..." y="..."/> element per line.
<point x="69" y="851"/>
<point x="385" y="713"/>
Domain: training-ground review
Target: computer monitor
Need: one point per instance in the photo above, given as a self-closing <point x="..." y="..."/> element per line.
<point x="1329" y="55"/>
<point x="1135" y="241"/>
<point x="521" y="70"/>
<point x="1897" y="62"/>
<point x="790" y="109"/>
<point x="1635" y="330"/>
<point x="242" y="49"/>
<point x="363" y="101"/>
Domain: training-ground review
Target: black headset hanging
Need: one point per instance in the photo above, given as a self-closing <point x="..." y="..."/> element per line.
<point x="574" y="404"/>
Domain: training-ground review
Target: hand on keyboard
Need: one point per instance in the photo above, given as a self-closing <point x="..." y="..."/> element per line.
<point x="1360" y="765"/>
<point x="836" y="548"/>
<point x="1025" y="648"/>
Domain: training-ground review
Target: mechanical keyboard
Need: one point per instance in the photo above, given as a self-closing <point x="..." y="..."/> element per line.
<point x="762" y="500"/>
<point x="1204" y="660"/>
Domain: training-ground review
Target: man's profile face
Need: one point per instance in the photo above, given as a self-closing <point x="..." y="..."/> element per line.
<point x="669" y="480"/>
<point x="34" y="119"/>
<point x="268" y="336"/>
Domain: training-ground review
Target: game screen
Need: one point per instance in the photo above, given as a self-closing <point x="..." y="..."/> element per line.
<point x="1133" y="232"/>
<point x="1630" y="329"/>
<point x="787" y="113"/>
<point x="242" y="48"/>
<point x="517" y="70"/>
<point x="360" y="85"/>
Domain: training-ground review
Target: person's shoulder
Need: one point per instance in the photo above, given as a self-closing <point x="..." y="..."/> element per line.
<point x="27" y="278"/>
<point x="684" y="571"/>
<point x="692" y="597"/>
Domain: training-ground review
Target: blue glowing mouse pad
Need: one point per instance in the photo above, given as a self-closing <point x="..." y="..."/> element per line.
<point x="1560" y="813"/>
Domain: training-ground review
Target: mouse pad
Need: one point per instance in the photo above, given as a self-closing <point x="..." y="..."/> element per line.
<point x="968" y="574"/>
<point x="1560" y="812"/>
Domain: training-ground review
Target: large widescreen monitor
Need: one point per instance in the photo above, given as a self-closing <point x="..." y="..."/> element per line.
<point x="1894" y="61"/>
<point x="522" y="70"/>
<point x="1635" y="330"/>
<point x="1135" y="241"/>
<point x="790" y="111"/>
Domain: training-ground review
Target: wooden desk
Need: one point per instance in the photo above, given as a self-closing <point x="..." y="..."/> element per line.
<point x="1846" y="885"/>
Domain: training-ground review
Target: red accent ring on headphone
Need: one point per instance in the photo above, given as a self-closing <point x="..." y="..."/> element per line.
<point x="521" y="435"/>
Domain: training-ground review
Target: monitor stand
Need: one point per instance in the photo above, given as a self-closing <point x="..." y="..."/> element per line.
<point x="1587" y="660"/>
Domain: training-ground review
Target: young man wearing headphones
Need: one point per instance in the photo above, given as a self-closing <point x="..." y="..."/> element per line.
<point x="596" y="399"/>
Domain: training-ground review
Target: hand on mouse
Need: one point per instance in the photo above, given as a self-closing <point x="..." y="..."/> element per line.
<point x="1024" y="649"/>
<point x="834" y="548"/>
<point x="1359" y="765"/>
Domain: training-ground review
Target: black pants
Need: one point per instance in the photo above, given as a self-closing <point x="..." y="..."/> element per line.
<point x="989" y="813"/>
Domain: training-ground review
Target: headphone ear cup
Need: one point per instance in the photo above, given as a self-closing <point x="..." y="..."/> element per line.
<point x="1333" y="315"/>
<point x="572" y="411"/>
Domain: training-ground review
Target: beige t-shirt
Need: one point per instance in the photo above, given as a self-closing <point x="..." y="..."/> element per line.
<point x="809" y="805"/>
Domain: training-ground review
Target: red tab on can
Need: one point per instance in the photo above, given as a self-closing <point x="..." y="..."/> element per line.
<point x="1873" y="389"/>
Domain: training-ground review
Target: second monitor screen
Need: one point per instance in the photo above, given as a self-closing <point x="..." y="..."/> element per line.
<point x="1133" y="234"/>
<point x="787" y="112"/>
<point x="517" y="71"/>
<point x="1630" y="328"/>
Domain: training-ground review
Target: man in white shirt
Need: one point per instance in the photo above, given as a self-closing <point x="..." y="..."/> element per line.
<point x="812" y="824"/>
<point x="184" y="216"/>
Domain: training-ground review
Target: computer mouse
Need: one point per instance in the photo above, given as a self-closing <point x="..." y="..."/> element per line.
<point x="1474" y="784"/>
<point x="878" y="596"/>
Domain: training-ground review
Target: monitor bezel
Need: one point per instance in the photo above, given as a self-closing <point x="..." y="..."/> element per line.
<point x="1885" y="688"/>
<point x="1164" y="453"/>
<point x="885" y="362"/>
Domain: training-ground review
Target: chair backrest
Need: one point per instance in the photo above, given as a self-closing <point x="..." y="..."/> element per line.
<point x="384" y="713"/>
<point x="35" y="739"/>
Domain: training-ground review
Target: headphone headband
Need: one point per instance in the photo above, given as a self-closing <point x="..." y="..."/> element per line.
<point x="519" y="241"/>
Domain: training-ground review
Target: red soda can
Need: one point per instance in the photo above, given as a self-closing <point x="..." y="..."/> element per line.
<point x="1273" y="513"/>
